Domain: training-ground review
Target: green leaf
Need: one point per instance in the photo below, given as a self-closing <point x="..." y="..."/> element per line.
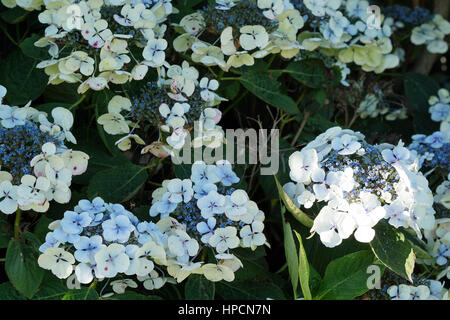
<point x="30" y="50"/>
<point x="118" y="184"/>
<point x="199" y="288"/>
<point x="21" y="264"/>
<point x="51" y="288"/>
<point x="292" y="208"/>
<point x="19" y="75"/>
<point x="229" y="89"/>
<point x="7" y="292"/>
<point x="84" y="293"/>
<point x="64" y="92"/>
<point x="268" y="90"/>
<point x="290" y="251"/>
<point x="346" y="278"/>
<point x="313" y="73"/>
<point x="393" y="249"/>
<point x="14" y="15"/>
<point x="249" y="290"/>
<point x="41" y="228"/>
<point x="303" y="269"/>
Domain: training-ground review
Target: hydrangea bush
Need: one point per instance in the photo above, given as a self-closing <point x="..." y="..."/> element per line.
<point x="224" y="149"/>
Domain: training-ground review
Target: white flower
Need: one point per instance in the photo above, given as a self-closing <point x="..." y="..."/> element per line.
<point x="207" y="87"/>
<point x="252" y="235"/>
<point x="112" y="260"/>
<point x="153" y="281"/>
<point x="253" y="37"/>
<point x="203" y="173"/>
<point x="333" y="226"/>
<point x="119" y="286"/>
<point x="180" y="190"/>
<point x="206" y="229"/>
<point x="177" y="139"/>
<point x="397" y="154"/>
<point x="302" y="164"/>
<point x="224" y="239"/>
<point x="396" y="213"/>
<point x="273" y="8"/>
<point x="59" y="261"/>
<point x="8" y="197"/>
<point x="346" y="144"/>
<point x="216" y="273"/>
<point x="235" y="205"/>
<point x="182" y="246"/>
<point x="97" y="33"/>
<point x="153" y="52"/>
<point x="113" y="123"/>
<point x="211" y="204"/>
<point x="12" y="116"/>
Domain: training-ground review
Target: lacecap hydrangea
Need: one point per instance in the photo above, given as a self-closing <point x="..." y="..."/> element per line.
<point x="235" y="33"/>
<point x="431" y="290"/>
<point x="349" y="31"/>
<point x="98" y="42"/>
<point x="205" y="215"/>
<point x="35" y="165"/>
<point x="432" y="34"/>
<point x="177" y="103"/>
<point x="99" y="240"/>
<point x="358" y="184"/>
<point x="433" y="151"/>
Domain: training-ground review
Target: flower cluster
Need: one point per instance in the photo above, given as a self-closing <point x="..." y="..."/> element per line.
<point x="207" y="214"/>
<point x="176" y="104"/>
<point x="244" y="30"/>
<point x="432" y="290"/>
<point x="349" y="31"/>
<point x="438" y="245"/>
<point x="432" y="34"/>
<point x="442" y="195"/>
<point x="97" y="42"/>
<point x="360" y="184"/>
<point x="407" y="15"/>
<point x="433" y="150"/>
<point x="28" y="5"/>
<point x="374" y="105"/>
<point x="103" y="240"/>
<point x="36" y="167"/>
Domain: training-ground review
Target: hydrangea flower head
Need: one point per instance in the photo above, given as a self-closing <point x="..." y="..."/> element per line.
<point x="36" y="167"/>
<point x="247" y="30"/>
<point x="213" y="215"/>
<point x="103" y="240"/>
<point x="359" y="184"/>
<point x="92" y="41"/>
<point x="176" y="104"/>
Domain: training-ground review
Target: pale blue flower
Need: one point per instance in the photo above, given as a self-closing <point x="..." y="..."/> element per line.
<point x="117" y="229"/>
<point x="212" y="204"/>
<point x="87" y="247"/>
<point x="225" y="173"/>
<point x="206" y="229"/>
<point x="74" y="222"/>
<point x="50" y="242"/>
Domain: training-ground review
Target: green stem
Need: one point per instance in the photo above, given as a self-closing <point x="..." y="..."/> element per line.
<point x="229" y="78"/>
<point x="9" y="36"/>
<point x="284" y="267"/>
<point x="17" y="224"/>
<point x="78" y="102"/>
<point x="2" y="259"/>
